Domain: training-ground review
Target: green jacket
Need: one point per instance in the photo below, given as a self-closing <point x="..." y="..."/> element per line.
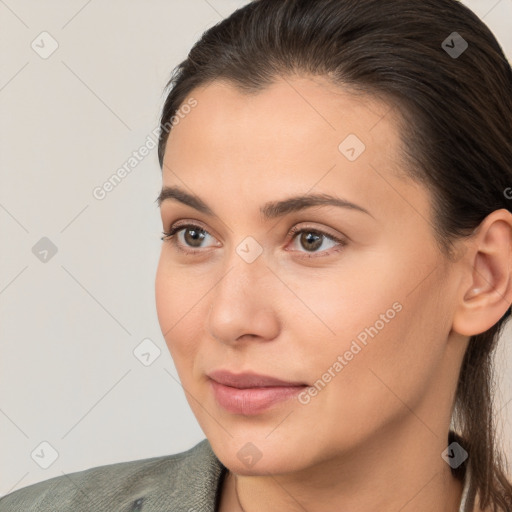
<point x="184" y="482"/>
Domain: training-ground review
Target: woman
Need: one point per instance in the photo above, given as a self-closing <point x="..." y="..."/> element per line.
<point x="336" y="265"/>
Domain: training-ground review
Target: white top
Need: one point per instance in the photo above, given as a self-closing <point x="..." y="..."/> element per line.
<point x="465" y="489"/>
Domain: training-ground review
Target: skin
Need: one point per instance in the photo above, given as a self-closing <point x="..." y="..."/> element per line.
<point x="372" y="438"/>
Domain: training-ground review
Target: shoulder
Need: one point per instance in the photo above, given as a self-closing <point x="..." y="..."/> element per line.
<point x="184" y="481"/>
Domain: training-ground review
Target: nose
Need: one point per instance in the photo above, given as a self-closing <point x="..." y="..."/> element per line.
<point x="244" y="304"/>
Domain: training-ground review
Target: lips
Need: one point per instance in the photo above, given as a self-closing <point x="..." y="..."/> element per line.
<point x="249" y="380"/>
<point x="250" y="393"/>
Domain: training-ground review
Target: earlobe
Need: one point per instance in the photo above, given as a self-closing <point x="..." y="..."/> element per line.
<point x="489" y="274"/>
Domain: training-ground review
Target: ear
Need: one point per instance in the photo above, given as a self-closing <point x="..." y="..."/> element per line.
<point x="486" y="288"/>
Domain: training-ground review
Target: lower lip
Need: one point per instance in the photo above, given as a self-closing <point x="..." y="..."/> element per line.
<point x="252" y="401"/>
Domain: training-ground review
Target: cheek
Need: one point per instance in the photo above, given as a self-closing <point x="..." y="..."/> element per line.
<point x="165" y="291"/>
<point x="177" y="306"/>
<point x="337" y="305"/>
<point x="377" y="336"/>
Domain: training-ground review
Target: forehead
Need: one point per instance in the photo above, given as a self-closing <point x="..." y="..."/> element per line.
<point x="301" y="104"/>
<point x="297" y="134"/>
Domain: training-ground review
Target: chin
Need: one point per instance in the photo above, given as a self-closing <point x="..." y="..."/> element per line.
<point x="250" y="455"/>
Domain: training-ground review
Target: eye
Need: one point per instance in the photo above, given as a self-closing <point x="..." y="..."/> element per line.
<point x="192" y="234"/>
<point x="312" y="239"/>
<point x="188" y="239"/>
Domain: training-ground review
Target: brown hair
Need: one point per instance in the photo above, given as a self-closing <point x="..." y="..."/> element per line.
<point x="456" y="126"/>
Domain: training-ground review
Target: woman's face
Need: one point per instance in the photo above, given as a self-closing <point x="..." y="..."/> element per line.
<point x="363" y="322"/>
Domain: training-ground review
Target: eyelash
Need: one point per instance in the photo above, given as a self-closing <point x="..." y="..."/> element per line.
<point x="170" y="237"/>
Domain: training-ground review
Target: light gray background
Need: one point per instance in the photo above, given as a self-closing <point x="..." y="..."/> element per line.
<point x="68" y="375"/>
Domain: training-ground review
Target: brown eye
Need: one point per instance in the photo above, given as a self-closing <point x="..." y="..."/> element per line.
<point x="311" y="240"/>
<point x="192" y="238"/>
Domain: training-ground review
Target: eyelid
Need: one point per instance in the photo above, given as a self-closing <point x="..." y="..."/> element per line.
<point x="323" y="230"/>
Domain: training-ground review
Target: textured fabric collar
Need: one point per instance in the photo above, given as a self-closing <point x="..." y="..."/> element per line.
<point x="201" y="479"/>
<point x="189" y="481"/>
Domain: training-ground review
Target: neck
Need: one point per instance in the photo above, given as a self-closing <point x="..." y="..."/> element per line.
<point x="392" y="473"/>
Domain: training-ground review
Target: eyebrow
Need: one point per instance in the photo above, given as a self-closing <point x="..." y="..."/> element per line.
<point x="269" y="210"/>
